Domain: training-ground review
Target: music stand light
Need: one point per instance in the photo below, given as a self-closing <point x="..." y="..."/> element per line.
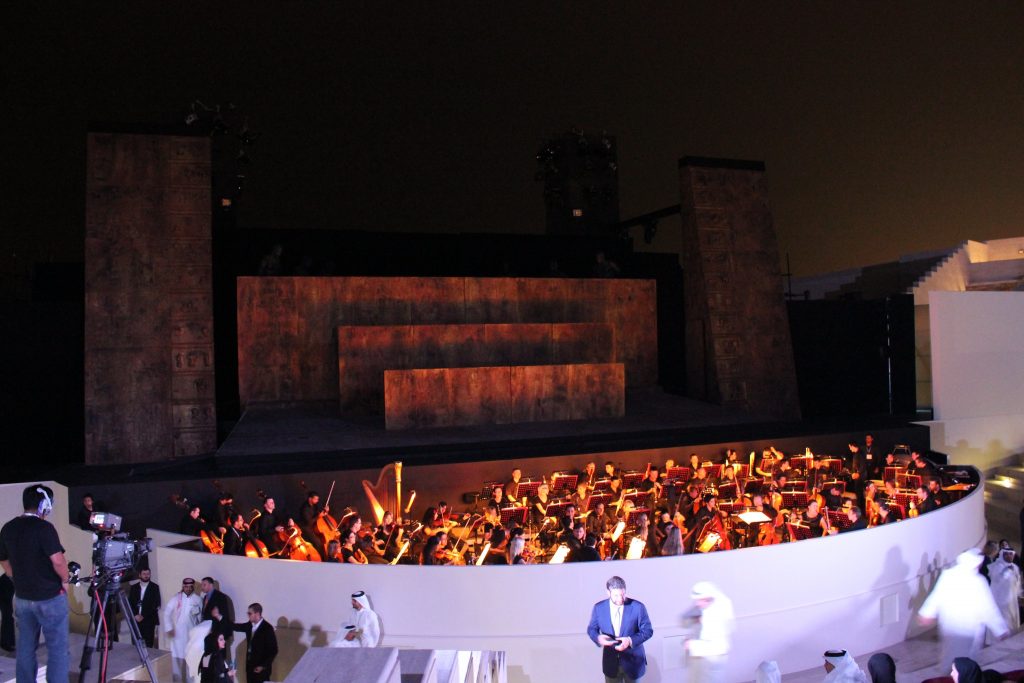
<point x="483" y="554"/>
<point x="560" y="555"/>
<point x="636" y="549"/>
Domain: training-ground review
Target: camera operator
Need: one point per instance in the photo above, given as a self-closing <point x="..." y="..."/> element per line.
<point x="31" y="554"/>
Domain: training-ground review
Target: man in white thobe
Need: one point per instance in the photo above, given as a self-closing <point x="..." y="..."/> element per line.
<point x="363" y="630"/>
<point x="840" y="667"/>
<point x="962" y="604"/>
<point x="707" y="652"/>
<point x="181" y="613"/>
<point x="1006" y="587"/>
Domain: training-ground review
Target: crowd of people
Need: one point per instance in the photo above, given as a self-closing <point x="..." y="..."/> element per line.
<point x="702" y="505"/>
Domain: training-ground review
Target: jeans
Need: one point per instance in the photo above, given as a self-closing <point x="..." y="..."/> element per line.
<point x="51" y="618"/>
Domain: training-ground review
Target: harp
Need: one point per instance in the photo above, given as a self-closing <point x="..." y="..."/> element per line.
<point x="386" y="494"/>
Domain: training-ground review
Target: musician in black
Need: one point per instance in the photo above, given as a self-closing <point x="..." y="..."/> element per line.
<point x="758" y="505"/>
<point x="579" y="498"/>
<point x="597" y="520"/>
<point x="920" y="467"/>
<point x="925" y="502"/>
<point x="857" y="519"/>
<point x="236" y="536"/>
<point x="512" y="487"/>
<point x="310" y="513"/>
<point x="704" y="516"/>
<point x="387" y="537"/>
<point x="935" y="491"/>
<point x="225" y="511"/>
<point x="539" y="505"/>
<point x="814" y="518"/>
<point x="271" y="526"/>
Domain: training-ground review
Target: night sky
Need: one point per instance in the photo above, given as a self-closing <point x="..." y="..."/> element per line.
<point x="886" y="128"/>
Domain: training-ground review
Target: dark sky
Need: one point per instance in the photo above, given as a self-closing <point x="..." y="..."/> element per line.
<point x="886" y="127"/>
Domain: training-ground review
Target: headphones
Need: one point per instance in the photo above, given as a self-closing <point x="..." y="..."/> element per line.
<point x="45" y="504"/>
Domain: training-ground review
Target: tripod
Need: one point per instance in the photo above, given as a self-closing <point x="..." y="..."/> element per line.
<point x="104" y="590"/>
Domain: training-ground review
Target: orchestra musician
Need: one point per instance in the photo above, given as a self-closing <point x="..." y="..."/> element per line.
<point x="236" y="536"/>
<point x="588" y="476"/>
<point x="813" y="518"/>
<point x="387" y="537"/>
<point x="707" y="512"/>
<point x="597" y="520"/>
<point x="270" y="527"/>
<point x="512" y="487"/>
<point x="651" y="485"/>
<point x="333" y="552"/>
<point x="539" y="507"/>
<point x="758" y="533"/>
<point x="225" y="511"/>
<point x="350" y="551"/>
<point x="498" y="496"/>
<point x="492" y="514"/>
<point x="886" y="514"/>
<point x="580" y="497"/>
<point x="309" y="513"/>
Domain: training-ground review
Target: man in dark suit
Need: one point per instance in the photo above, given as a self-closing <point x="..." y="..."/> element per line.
<point x="620" y="626"/>
<point x="144" y="599"/>
<point x="213" y="598"/>
<point x="260" y="645"/>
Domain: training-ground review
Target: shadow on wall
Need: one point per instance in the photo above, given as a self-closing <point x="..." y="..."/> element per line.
<point x="927" y="574"/>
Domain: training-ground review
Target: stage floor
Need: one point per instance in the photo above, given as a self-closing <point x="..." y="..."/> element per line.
<point x="317" y="428"/>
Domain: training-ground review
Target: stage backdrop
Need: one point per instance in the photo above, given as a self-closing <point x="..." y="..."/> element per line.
<point x="793" y="601"/>
<point x="288" y="338"/>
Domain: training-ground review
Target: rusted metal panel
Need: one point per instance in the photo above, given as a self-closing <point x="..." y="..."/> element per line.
<point x="149" y="318"/>
<point x="366" y="351"/>
<point x="495" y="395"/>
<point x="316" y="306"/>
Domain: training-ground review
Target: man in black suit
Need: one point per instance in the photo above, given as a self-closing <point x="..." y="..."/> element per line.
<point x="214" y="599"/>
<point x="144" y="599"/>
<point x="260" y="645"/>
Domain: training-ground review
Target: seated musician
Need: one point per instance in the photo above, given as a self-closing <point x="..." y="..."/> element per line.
<point x="192" y="523"/>
<point x="512" y="487"/>
<point x="498" y="497"/>
<point x="767" y="464"/>
<point x="700" y="477"/>
<point x="271" y="526"/>
<point x="833" y="496"/>
<point x="597" y="520"/>
<point x="434" y="550"/>
<point x="813" y="518"/>
<point x="623" y="514"/>
<point x="492" y="514"/>
<point x="890" y="491"/>
<point x="857" y="520"/>
<point x="589" y="552"/>
<point x="567" y="522"/>
<point x="579" y="498"/>
<point x="782" y="467"/>
<point x="589" y="475"/>
<point x="935" y="491"/>
<point x="788" y="529"/>
<point x="705" y="514"/>
<point x="694" y="462"/>
<point x="728" y="475"/>
<point x="539" y="505"/>
<point x="225" y="514"/>
<point x="920" y="466"/>
<point x="669" y="464"/>
<point x="351" y="553"/>
<point x="497" y="553"/>
<point x="517" y="550"/>
<point x="690" y="501"/>
<point x="892" y="461"/>
<point x="758" y="505"/>
<point x="925" y="502"/>
<point x="333" y="551"/>
<point x="610" y="470"/>
<point x="887" y="514"/>
<point x="651" y="486"/>
<point x="309" y="513"/>
<point x="573" y="537"/>
<point x="615" y="486"/>
<point x="236" y="536"/>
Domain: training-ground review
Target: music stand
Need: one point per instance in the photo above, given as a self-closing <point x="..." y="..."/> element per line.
<point x="714" y="470"/>
<point x="797" y="485"/>
<point x="635" y="513"/>
<point x="893" y="473"/>
<point x="678" y="473"/>
<point x="801" y="462"/>
<point x="728" y="490"/>
<point x="742" y="469"/>
<point x="730" y="505"/>
<point x="832" y="465"/>
<point x="792" y="499"/>
<point x="801" y="533"/>
<point x="595" y="498"/>
<point x="752" y="517"/>
<point x="838" y="483"/>
<point x="753" y="486"/>
<point x="903" y="499"/>
<point x="557" y="508"/>
<point x="563" y="481"/>
<point x="631" y="479"/>
<point x="602" y="484"/>
<point x="838" y="519"/>
<point x="528" y="489"/>
<point x="513" y="514"/>
<point x="488" y="490"/>
<point x="635" y="496"/>
<point x="909" y="481"/>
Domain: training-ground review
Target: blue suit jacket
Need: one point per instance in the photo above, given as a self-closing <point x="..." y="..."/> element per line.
<point x="635" y="624"/>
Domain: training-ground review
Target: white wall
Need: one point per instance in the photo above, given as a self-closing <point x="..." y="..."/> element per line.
<point x="977" y="343"/>
<point x="793" y="601"/>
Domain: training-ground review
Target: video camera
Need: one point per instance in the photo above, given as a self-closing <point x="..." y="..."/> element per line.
<point x="113" y="553"/>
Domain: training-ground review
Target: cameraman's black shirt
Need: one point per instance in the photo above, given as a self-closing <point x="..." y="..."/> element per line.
<point x="28" y="542"/>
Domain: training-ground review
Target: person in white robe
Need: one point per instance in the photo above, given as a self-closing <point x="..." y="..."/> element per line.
<point x="181" y="613"/>
<point x="768" y="672"/>
<point x="194" y="650"/>
<point x="840" y="667"/>
<point x="708" y="651"/>
<point x="363" y="627"/>
<point x="1006" y="587"/>
<point x="962" y="604"/>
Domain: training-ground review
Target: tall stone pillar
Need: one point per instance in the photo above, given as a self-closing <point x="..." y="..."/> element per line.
<point x="738" y="348"/>
<point x="149" y="382"/>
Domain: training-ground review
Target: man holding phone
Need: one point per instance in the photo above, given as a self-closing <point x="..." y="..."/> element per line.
<point x="620" y="626"/>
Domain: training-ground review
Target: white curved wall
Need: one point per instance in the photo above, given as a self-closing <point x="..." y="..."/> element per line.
<point x="793" y="601"/>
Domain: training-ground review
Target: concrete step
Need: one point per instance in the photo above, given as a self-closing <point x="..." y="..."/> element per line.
<point x="1009" y="471"/>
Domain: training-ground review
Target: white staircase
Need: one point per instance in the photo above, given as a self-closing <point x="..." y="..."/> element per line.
<point x="1004" y="495"/>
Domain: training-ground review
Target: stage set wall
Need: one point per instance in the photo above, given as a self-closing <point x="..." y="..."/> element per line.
<point x="793" y="601"/>
<point x="977" y="376"/>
